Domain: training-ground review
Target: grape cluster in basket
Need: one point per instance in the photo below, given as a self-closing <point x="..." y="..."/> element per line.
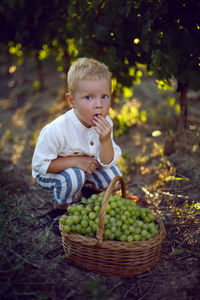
<point x="124" y="220"/>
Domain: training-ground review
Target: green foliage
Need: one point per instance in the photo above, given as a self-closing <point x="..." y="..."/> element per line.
<point x="128" y="116"/>
<point x="162" y="35"/>
<point x="190" y="208"/>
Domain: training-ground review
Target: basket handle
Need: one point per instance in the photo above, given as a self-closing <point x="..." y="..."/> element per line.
<point x="109" y="190"/>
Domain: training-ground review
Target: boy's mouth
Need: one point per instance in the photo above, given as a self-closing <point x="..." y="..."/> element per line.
<point x="97" y="115"/>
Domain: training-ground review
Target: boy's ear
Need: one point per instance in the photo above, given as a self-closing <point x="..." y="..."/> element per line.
<point x="70" y="100"/>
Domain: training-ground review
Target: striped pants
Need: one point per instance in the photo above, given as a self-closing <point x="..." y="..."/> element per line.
<point x="66" y="185"/>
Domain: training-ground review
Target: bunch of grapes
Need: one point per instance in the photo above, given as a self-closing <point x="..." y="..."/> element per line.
<point x="124" y="220"/>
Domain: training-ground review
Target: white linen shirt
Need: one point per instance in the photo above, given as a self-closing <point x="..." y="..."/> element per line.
<point x="67" y="136"/>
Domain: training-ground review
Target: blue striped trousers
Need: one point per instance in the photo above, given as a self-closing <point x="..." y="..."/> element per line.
<point x="66" y="185"/>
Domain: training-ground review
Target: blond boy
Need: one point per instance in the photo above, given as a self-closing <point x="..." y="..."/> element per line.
<point x="78" y="147"/>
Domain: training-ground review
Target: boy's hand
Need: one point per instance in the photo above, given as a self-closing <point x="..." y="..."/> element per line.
<point x="103" y="128"/>
<point x="87" y="164"/>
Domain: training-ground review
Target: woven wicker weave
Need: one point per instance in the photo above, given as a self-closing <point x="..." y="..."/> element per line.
<point x="114" y="258"/>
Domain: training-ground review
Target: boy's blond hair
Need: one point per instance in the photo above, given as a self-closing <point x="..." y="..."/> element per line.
<point x="86" y="68"/>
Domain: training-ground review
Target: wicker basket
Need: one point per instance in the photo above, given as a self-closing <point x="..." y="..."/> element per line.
<point x="114" y="258"/>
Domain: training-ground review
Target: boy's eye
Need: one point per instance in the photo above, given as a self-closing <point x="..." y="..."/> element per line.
<point x="104" y="97"/>
<point x="88" y="97"/>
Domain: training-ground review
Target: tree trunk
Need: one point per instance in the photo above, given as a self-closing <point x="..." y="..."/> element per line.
<point x="182" y="124"/>
<point x="180" y="139"/>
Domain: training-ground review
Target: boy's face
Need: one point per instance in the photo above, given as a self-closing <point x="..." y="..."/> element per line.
<point x="91" y="98"/>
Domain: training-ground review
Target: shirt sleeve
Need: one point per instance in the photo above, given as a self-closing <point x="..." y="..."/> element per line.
<point x="116" y="148"/>
<point x="47" y="148"/>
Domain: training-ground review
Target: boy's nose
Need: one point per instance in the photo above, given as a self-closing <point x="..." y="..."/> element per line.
<point x="98" y="102"/>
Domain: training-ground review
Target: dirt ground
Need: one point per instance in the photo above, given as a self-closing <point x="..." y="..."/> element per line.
<point x="166" y="181"/>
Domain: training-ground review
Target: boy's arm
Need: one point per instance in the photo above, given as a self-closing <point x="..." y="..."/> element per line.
<point x="85" y="163"/>
<point x="103" y="128"/>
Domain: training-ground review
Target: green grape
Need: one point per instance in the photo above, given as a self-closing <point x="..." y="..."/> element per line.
<point x="109" y="225"/>
<point x="151" y="217"/>
<point x="89" y="229"/>
<point x="137" y="212"/>
<point x="133" y="203"/>
<point x="131" y="221"/>
<point x="94" y="197"/>
<point x="73" y="227"/>
<point x="148" y="236"/>
<point x="146" y="219"/>
<point x="69" y="209"/>
<point x="113" y="205"/>
<point x="84" y="200"/>
<point x="129" y="238"/>
<point x="117" y="210"/>
<point x="112" y="220"/>
<point x="111" y="236"/>
<point x="76" y="219"/>
<point x="151" y="226"/>
<point x="118" y="233"/>
<point x="127" y="213"/>
<point x="123" y="238"/>
<point x="127" y="232"/>
<point x="106" y="220"/>
<point x="78" y="227"/>
<point x="83" y="230"/>
<point x="97" y="220"/>
<point x="118" y="217"/>
<point x="97" y="208"/>
<point x="136" y="237"/>
<point x="140" y="223"/>
<point x="142" y="212"/>
<point x="118" y="197"/>
<point x="123" y="218"/>
<point x="89" y="201"/>
<point x="84" y="223"/>
<point x="112" y="199"/>
<point x="84" y="212"/>
<point x="79" y="207"/>
<point x="137" y="230"/>
<point x="69" y="221"/>
<point x="67" y="228"/>
<point x="77" y="213"/>
<point x="119" y="203"/>
<point x="144" y="233"/>
<point x="88" y="209"/>
<point x="123" y="208"/>
<point x="129" y="208"/>
<point x="124" y="227"/>
<point x="112" y="213"/>
<point x="132" y="229"/>
<point x="94" y="227"/>
<point x="107" y="232"/>
<point x="113" y="229"/>
<point x="92" y="215"/>
<point x="108" y="208"/>
<point x="91" y="222"/>
<point x="145" y="226"/>
<point x="62" y="220"/>
<point x="119" y="223"/>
